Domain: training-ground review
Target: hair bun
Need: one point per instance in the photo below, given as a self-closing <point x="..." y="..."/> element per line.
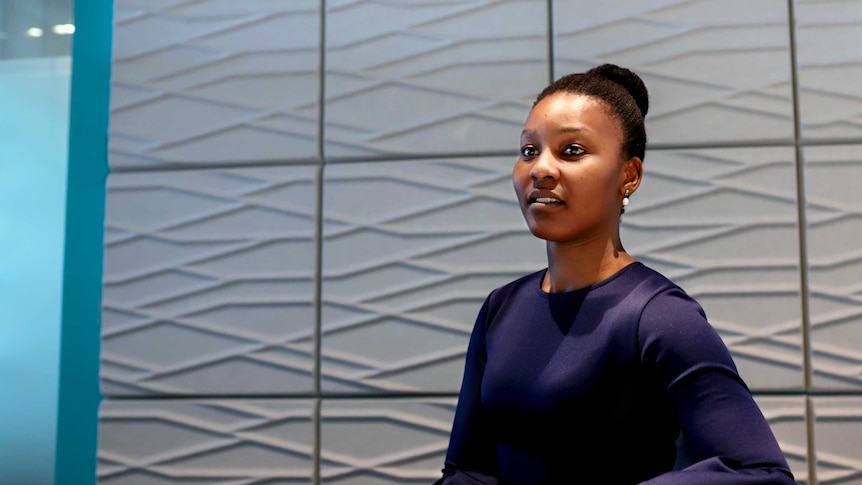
<point x="627" y="79"/>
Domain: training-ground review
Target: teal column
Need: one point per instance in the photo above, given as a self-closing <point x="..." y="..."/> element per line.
<point x="79" y="396"/>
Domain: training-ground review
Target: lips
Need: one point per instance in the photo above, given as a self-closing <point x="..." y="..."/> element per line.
<point x="537" y="197"/>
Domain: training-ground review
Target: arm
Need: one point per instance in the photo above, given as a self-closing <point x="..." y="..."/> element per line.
<point x="726" y="436"/>
<point x="471" y="458"/>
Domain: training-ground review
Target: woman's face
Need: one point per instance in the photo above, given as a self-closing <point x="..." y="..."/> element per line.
<point x="570" y="176"/>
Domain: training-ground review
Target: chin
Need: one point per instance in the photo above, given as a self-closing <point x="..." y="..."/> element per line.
<point x="544" y="233"/>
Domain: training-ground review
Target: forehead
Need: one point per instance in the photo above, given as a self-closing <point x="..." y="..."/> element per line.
<point x="573" y="111"/>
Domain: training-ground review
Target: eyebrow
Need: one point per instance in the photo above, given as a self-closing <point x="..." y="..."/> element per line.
<point x="565" y="129"/>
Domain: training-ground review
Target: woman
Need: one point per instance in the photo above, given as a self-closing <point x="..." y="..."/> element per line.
<point x="588" y="371"/>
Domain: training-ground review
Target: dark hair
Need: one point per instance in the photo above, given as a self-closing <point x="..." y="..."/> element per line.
<point x="622" y="91"/>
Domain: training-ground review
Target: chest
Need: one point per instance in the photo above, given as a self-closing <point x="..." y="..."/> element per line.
<point x="560" y="359"/>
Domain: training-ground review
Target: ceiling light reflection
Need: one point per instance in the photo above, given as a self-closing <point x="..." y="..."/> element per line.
<point x="64" y="29"/>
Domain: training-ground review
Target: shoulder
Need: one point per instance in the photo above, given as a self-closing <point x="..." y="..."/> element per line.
<point x="504" y="296"/>
<point x="675" y="335"/>
<point x="670" y="312"/>
<point x="521" y="287"/>
<point x="657" y="297"/>
<point x="649" y="282"/>
<point x="634" y="288"/>
<point x="522" y="282"/>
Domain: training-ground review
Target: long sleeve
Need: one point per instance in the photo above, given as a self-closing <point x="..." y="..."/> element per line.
<point x="594" y="386"/>
<point x="726" y="436"/>
<point x="471" y="458"/>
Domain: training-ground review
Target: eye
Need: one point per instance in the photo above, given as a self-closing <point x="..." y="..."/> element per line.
<point x="529" y="151"/>
<point x="573" y="150"/>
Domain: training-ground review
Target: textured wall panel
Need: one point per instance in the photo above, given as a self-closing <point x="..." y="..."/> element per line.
<point x="208" y="282"/>
<point x="828" y="36"/>
<point x="410" y="251"/>
<point x="377" y="442"/>
<point x="431" y="77"/>
<point x="214" y="81"/>
<point x="834" y="214"/>
<point x="717" y="70"/>
<point x="722" y="223"/>
<point x="786" y="417"/>
<point x="236" y="442"/>
<point x="838" y="440"/>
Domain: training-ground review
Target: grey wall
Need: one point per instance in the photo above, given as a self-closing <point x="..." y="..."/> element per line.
<point x="309" y="203"/>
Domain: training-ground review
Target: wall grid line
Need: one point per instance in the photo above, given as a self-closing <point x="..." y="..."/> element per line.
<point x="803" y="244"/>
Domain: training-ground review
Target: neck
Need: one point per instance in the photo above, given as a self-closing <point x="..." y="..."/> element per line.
<point x="572" y="266"/>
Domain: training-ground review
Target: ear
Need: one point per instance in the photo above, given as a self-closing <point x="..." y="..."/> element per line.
<point x="631" y="175"/>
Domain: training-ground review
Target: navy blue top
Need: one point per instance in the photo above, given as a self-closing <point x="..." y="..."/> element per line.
<point x="595" y="386"/>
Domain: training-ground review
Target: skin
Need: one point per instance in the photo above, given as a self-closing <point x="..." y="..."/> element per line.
<point x="571" y="151"/>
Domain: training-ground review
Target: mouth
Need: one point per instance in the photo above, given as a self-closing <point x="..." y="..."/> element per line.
<point x="549" y="201"/>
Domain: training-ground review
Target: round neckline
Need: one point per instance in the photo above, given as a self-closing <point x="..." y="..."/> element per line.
<point x="586" y="289"/>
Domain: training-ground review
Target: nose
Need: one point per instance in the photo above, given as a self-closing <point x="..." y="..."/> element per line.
<point x="544" y="167"/>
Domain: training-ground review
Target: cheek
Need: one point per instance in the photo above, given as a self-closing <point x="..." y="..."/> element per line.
<point x="518" y="177"/>
<point x="602" y="178"/>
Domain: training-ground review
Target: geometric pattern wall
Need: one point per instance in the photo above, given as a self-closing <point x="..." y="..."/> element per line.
<point x="430" y="77"/>
<point x="837" y="431"/>
<point x="215" y="441"/>
<point x="208" y="282"/>
<point x="413" y="271"/>
<point x="830" y="103"/>
<point x="383" y="441"/>
<point x="722" y="223"/>
<point x="309" y="200"/>
<point x="834" y="215"/>
<point x="787" y="417"/>
<point x="718" y="72"/>
<point x="214" y="82"/>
